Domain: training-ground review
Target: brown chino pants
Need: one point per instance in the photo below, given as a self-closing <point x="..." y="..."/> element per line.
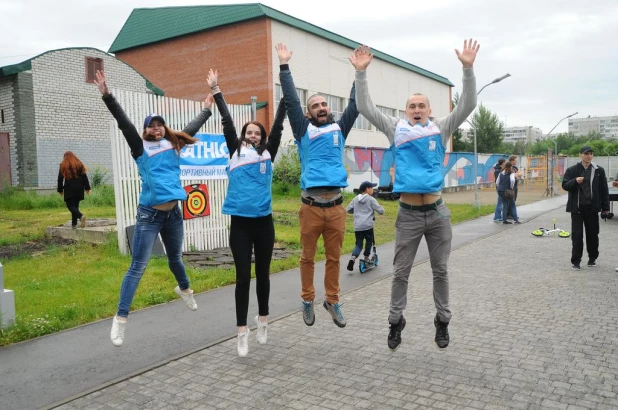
<point x="330" y="224"/>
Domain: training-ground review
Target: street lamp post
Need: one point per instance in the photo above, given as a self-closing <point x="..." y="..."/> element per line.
<point x="553" y="139"/>
<point x="552" y="190"/>
<point x="477" y="201"/>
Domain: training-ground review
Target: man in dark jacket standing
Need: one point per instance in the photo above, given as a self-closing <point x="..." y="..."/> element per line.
<point x="588" y="195"/>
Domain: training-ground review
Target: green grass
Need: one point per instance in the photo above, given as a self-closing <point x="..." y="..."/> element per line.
<point x="63" y="287"/>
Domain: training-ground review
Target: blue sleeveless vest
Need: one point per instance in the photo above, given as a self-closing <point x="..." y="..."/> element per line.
<point x="321" y="157"/>
<point x="418" y="158"/>
<point x="249" y="191"/>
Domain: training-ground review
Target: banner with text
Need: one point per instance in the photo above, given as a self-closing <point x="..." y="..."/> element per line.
<point x="206" y="159"/>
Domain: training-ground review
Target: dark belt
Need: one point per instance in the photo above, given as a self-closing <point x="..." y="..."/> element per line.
<point x="330" y="204"/>
<point x="422" y="208"/>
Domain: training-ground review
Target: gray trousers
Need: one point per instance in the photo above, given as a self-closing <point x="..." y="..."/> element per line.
<point x="410" y="227"/>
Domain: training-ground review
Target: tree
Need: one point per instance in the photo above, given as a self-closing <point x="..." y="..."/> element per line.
<point x="517" y="148"/>
<point x="570" y="144"/>
<point x="489" y="130"/>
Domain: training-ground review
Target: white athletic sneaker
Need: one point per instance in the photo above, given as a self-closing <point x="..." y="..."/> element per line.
<point x="187" y="297"/>
<point x="243" y="343"/>
<point x="262" y="331"/>
<point x="117" y="333"/>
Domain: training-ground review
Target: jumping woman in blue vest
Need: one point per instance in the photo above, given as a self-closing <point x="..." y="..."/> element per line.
<point x="249" y="202"/>
<point x="157" y="154"/>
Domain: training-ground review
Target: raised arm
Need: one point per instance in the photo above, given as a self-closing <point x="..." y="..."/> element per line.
<point x="360" y="59"/>
<point x="229" y="130"/>
<point x="194" y="126"/>
<point x="350" y="114"/>
<point x="298" y="120"/>
<point x="467" y="101"/>
<point x="274" y="138"/>
<point x="124" y="123"/>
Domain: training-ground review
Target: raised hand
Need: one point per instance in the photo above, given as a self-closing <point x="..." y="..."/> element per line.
<point x="212" y="78"/>
<point x="468" y="55"/>
<point x="209" y="101"/>
<point x="361" y="58"/>
<point x="99" y="80"/>
<point x="283" y="53"/>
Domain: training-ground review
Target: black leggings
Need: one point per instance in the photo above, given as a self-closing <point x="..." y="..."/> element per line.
<point x="73" y="206"/>
<point x="247" y="234"/>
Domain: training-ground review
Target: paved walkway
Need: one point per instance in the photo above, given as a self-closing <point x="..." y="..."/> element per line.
<point x="527" y="333"/>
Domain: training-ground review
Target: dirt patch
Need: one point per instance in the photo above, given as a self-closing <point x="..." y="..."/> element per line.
<point x="33" y="247"/>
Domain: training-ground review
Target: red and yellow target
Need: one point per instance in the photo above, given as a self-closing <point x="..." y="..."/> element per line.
<point x="197" y="203"/>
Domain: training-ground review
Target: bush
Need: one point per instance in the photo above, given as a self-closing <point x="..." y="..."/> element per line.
<point x="103" y="195"/>
<point x="98" y="176"/>
<point x="280" y="189"/>
<point x="287" y="168"/>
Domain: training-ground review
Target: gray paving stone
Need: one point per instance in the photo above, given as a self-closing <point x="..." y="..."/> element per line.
<point x="527" y="333"/>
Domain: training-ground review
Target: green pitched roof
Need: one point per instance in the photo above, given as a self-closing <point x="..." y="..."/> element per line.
<point x="150" y="25"/>
<point x="27" y="65"/>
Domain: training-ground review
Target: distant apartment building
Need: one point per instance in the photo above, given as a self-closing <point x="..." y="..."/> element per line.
<point x="511" y="134"/>
<point x="515" y="134"/>
<point x="607" y="127"/>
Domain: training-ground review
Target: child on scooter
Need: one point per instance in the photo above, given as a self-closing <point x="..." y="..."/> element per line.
<point x="363" y="207"/>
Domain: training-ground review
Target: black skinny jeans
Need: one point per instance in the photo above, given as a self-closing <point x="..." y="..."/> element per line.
<point x="73" y="206"/>
<point x="246" y="235"/>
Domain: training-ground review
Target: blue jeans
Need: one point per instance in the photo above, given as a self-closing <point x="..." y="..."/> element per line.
<point x="498" y="213"/>
<point x="367" y="236"/>
<point x="151" y="222"/>
<point x="509" y="205"/>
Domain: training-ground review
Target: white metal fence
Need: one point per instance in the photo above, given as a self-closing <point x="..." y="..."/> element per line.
<point x="200" y="233"/>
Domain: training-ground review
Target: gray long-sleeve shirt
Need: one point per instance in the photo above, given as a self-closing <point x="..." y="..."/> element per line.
<point x="387" y="124"/>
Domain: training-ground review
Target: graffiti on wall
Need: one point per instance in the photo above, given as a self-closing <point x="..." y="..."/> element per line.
<point x="377" y="165"/>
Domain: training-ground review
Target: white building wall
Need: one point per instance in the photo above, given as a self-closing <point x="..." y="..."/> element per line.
<point x="7" y="103"/>
<point x="70" y="114"/>
<point x="320" y="66"/>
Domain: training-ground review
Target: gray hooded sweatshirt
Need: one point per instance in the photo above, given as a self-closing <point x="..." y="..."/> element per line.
<point x="363" y="206"/>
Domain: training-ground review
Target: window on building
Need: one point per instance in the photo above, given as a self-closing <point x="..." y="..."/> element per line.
<point x="387" y="111"/>
<point x="302" y="96"/>
<point x="92" y="66"/>
<point x="401" y="114"/>
<point x="362" y="123"/>
<point x="2" y="116"/>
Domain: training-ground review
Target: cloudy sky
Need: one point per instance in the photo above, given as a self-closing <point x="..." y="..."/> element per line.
<point x="561" y="55"/>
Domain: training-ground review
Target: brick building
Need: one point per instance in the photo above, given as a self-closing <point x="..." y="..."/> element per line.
<point x="49" y="104"/>
<point x="176" y="46"/>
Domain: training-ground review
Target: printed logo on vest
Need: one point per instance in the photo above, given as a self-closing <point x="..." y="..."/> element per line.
<point x="336" y="139"/>
<point x="263" y="167"/>
<point x="432" y="145"/>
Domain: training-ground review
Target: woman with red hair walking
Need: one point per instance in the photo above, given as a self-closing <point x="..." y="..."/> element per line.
<point x="72" y="182"/>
